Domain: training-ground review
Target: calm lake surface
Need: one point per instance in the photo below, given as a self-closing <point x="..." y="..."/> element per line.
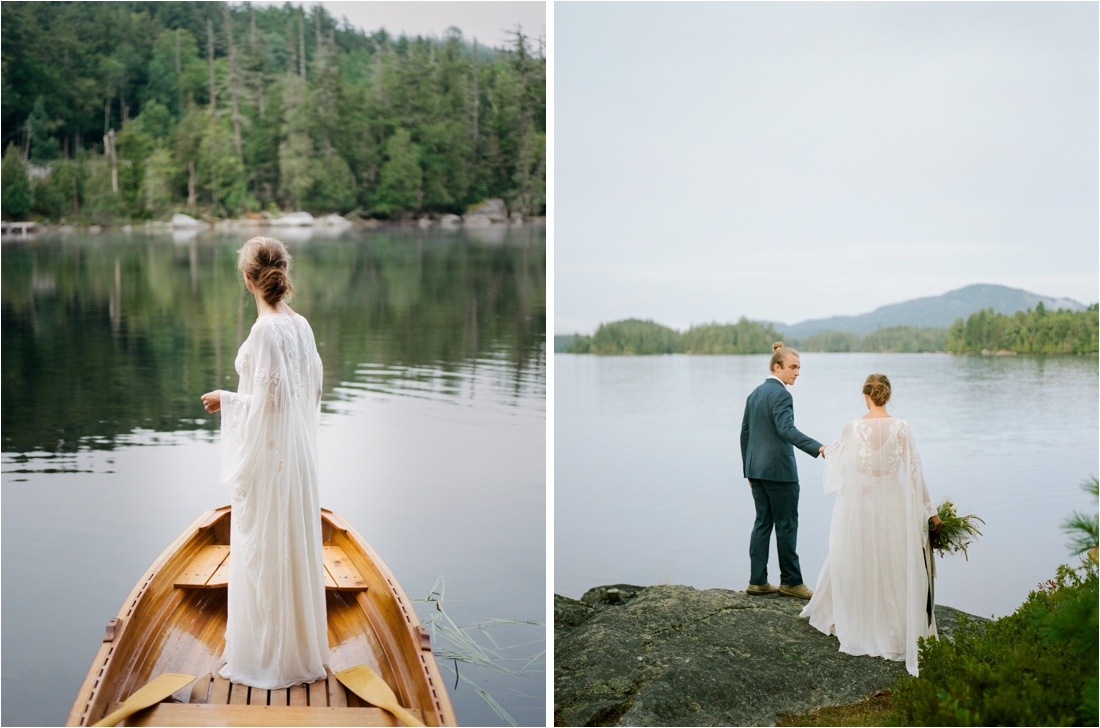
<point x="648" y="485"/>
<point x="432" y="438"/>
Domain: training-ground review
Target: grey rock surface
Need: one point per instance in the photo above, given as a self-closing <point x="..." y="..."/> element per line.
<point x="675" y="655"/>
<point x="494" y="209"/>
<point x="612" y="595"/>
<point x="179" y="220"/>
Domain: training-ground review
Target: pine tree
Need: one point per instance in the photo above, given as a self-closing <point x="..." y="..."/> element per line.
<point x="16" y="187"/>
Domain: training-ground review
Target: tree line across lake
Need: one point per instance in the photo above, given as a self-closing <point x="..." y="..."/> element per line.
<point x="135" y="110"/>
<point x="1035" y="331"/>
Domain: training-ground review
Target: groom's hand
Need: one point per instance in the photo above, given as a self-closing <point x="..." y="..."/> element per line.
<point x="821" y="451"/>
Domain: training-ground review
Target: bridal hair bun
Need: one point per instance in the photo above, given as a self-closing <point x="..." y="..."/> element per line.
<point x="267" y="263"/>
<point x="877" y="387"/>
<point x="777" y="346"/>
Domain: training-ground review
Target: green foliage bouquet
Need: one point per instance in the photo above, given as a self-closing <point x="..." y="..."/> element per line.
<point x="956" y="532"/>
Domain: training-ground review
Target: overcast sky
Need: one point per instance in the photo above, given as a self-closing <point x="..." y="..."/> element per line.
<point x="787" y="161"/>
<point x="489" y="22"/>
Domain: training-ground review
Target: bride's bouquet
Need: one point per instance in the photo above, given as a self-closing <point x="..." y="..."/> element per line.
<point x="956" y="532"/>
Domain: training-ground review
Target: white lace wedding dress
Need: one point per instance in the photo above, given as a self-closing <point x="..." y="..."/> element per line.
<point x="874" y="591"/>
<point x="277" y="634"/>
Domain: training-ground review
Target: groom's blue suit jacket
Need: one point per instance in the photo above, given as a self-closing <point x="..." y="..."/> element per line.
<point x="768" y="435"/>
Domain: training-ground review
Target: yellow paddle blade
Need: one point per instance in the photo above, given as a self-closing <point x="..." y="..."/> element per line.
<point x="149" y="694"/>
<point x="367" y="684"/>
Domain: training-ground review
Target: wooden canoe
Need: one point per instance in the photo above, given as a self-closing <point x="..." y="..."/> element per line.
<point x="174" y="622"/>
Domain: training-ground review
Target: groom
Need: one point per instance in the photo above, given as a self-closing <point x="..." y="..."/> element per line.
<point x="767" y="459"/>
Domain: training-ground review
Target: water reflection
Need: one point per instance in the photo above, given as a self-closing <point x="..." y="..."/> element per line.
<point x="108" y="337"/>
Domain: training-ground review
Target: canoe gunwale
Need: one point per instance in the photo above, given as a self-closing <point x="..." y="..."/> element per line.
<point x="419" y="681"/>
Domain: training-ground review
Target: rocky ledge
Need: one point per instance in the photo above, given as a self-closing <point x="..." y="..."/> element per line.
<point x="674" y="655"/>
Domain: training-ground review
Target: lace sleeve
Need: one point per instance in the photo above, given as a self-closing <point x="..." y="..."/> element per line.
<point x="835" y="455"/>
<point x="250" y="416"/>
<point x="916" y="474"/>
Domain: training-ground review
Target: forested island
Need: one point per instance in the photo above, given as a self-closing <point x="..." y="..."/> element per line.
<point x="127" y="111"/>
<point x="1035" y="331"/>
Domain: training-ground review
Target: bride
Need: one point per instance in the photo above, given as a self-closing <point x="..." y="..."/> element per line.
<point x="276" y="634"/>
<point x="875" y="588"/>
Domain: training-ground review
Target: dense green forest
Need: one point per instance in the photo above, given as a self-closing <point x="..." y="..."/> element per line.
<point x="1035" y="331"/>
<point x="1030" y="332"/>
<point x="135" y="110"/>
<point x="634" y="336"/>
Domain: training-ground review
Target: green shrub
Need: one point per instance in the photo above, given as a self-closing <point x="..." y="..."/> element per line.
<point x="1037" y="666"/>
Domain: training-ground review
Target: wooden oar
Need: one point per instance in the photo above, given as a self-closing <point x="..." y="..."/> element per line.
<point x="149" y="694"/>
<point x="369" y="686"/>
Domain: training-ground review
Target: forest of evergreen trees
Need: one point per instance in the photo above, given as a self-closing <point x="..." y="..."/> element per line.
<point x="135" y="110"/>
<point x="1037" y="331"/>
<point x="1026" y="332"/>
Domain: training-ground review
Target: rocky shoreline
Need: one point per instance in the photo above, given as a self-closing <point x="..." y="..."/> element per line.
<point x="675" y="655"/>
<point x="488" y="214"/>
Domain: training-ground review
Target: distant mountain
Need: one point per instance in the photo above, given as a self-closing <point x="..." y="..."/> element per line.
<point x="933" y="311"/>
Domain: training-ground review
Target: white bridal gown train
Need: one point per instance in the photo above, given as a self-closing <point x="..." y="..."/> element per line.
<point x="874" y="591"/>
<point x="277" y="634"/>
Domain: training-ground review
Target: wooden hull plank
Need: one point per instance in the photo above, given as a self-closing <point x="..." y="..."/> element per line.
<point x="299" y="696"/>
<point x="277" y="697"/>
<point x="318" y="694"/>
<point x="201" y="692"/>
<point x="219" y="692"/>
<point x="184" y="714"/>
<point x="238" y="694"/>
<point x="337" y="696"/>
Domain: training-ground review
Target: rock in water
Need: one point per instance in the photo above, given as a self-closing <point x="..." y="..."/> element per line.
<point x="493" y="209"/>
<point x="179" y="220"/>
<point x="295" y="219"/>
<point x="674" y="655"/>
<point x="334" y="221"/>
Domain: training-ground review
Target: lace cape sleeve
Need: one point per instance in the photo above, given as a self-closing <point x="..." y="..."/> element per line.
<point x="835" y="455"/>
<point x="252" y="417"/>
<point x="915" y="472"/>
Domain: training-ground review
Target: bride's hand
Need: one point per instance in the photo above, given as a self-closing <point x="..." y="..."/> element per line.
<point x="212" y="401"/>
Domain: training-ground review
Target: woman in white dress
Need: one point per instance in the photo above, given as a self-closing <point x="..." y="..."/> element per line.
<point x="875" y="588"/>
<point x="276" y="634"/>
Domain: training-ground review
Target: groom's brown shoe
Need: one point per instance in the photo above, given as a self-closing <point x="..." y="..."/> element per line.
<point x="760" y="589"/>
<point x="801" y="591"/>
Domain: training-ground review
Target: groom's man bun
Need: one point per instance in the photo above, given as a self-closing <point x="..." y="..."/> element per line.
<point x="779" y="355"/>
<point x="877" y="387"/>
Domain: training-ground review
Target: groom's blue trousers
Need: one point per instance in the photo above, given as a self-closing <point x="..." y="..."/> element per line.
<point x="776" y="505"/>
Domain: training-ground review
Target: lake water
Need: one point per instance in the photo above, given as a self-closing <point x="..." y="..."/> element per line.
<point x="647" y="465"/>
<point x="432" y="438"/>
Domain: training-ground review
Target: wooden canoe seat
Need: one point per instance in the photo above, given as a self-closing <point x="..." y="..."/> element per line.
<point x="216" y="701"/>
<point x="199" y="572"/>
<point x="209" y="569"/>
